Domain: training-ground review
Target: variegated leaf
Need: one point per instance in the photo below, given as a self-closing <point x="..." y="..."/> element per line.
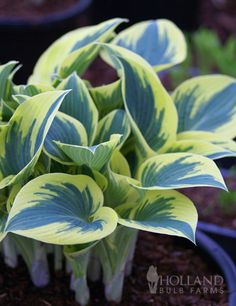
<point x="107" y="97"/>
<point x="151" y="112"/>
<point x="61" y="209"/>
<point x="202" y="147"/>
<point x="99" y="178"/>
<point x="80" y="105"/>
<point x="207" y="103"/>
<point x="115" y="122"/>
<point x="6" y="110"/>
<point x="3" y="220"/>
<point x="5" y="72"/>
<point x="19" y="99"/>
<point x="22" y="140"/>
<point x="64" y="129"/>
<point x="78" y="61"/>
<point x="179" y="170"/>
<point x="163" y="212"/>
<point x="214" y="138"/>
<point x="76" y="250"/>
<point x="95" y="156"/>
<point x="32" y="89"/>
<point x="82" y="55"/>
<point x="119" y="190"/>
<point x="160" y="42"/>
<point x="49" y="63"/>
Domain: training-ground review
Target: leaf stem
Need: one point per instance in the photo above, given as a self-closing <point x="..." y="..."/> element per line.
<point x="58" y="257"/>
<point x="10" y="252"/>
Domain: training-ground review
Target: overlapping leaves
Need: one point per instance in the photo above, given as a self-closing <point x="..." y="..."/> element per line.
<point x="83" y="133"/>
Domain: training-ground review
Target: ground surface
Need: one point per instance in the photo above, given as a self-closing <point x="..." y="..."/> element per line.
<point x="164" y="252"/>
<point x="213" y="206"/>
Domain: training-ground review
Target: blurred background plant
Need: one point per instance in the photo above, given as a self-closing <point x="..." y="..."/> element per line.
<point x="227" y="200"/>
<point x="206" y="55"/>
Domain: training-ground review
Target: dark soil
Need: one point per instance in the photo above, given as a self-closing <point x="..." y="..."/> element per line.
<point x="210" y="206"/>
<point x="32" y="10"/>
<point x="168" y="254"/>
<point x="100" y="73"/>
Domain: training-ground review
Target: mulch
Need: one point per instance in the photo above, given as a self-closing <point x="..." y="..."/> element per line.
<point x="170" y="255"/>
<point x="210" y="206"/>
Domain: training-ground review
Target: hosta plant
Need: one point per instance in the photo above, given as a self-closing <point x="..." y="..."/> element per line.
<point x="84" y="168"/>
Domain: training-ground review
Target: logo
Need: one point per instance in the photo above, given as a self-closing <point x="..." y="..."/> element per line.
<point x="184" y="284"/>
<point x="152" y="277"/>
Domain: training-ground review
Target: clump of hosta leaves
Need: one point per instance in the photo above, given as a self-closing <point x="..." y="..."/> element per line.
<point x="83" y="169"/>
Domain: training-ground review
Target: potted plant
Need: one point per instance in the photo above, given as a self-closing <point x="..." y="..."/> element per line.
<point x="84" y="168"/>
